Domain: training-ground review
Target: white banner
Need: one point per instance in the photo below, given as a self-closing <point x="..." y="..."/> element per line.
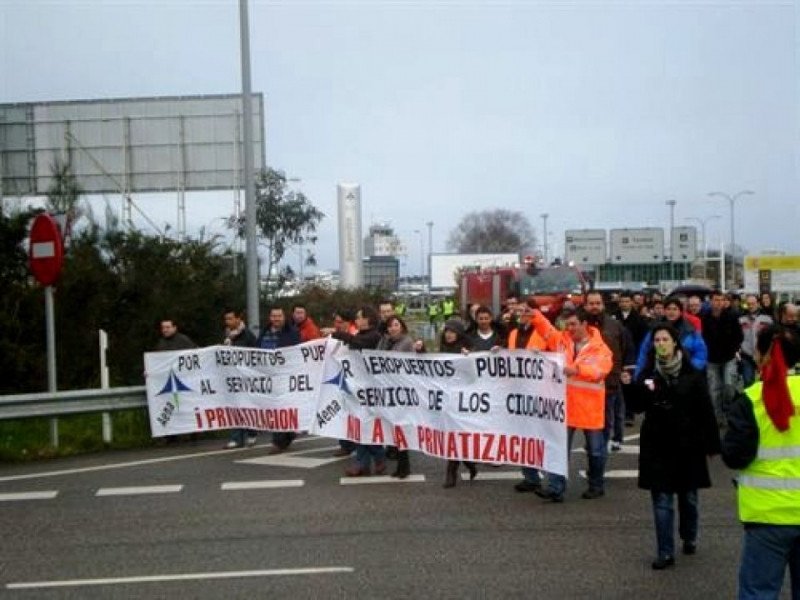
<point x="223" y="387"/>
<point x="506" y="407"/>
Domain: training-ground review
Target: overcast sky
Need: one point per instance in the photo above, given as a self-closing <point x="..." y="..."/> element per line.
<point x="595" y="112"/>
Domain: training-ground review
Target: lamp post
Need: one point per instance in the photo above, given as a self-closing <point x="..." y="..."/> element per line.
<point x="421" y="253"/>
<point x="544" y="236"/>
<point x="703" y="223"/>
<point x="671" y="203"/>
<point x="732" y="201"/>
<point x="430" y="248"/>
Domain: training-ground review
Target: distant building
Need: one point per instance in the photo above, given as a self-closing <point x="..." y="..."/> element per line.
<point x="381" y="272"/>
<point x="382" y="241"/>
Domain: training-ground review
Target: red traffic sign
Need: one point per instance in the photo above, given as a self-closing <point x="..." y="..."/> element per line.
<point x="46" y="250"/>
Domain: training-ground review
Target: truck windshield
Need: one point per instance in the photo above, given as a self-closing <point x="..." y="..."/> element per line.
<point x="549" y="281"/>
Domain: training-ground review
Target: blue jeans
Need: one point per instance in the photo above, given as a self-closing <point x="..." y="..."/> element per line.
<point x="366" y="454"/>
<point x="283" y="439"/>
<point x="347" y="445"/>
<point x="596" y="455"/>
<point x="531" y="475"/>
<point x="615" y="417"/>
<point x="722" y="387"/>
<point x="664" y="515"/>
<point x="747" y="369"/>
<point x="766" y="552"/>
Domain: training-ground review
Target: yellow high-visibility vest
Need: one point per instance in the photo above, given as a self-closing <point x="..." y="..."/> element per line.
<point x="769" y="488"/>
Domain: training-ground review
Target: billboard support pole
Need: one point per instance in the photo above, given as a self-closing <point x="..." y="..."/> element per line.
<point x="249" y="183"/>
<point x="182" y="181"/>
<point x="52" y="385"/>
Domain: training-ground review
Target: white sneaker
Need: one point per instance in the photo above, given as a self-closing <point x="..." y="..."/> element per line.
<point x="231" y="445"/>
<point x="616" y="446"/>
<point x="251" y="441"/>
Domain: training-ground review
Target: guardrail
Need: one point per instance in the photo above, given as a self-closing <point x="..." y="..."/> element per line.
<point x="55" y="404"/>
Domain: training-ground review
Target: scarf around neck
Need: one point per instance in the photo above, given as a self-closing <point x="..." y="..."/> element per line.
<point x="670" y="368"/>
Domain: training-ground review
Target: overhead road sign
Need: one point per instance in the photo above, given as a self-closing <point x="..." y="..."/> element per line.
<point x="585" y="246"/>
<point x="684" y="244"/>
<point x="130" y="145"/>
<point x="637" y="246"/>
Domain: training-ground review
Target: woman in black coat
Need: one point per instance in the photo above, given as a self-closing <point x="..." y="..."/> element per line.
<point x="454" y="340"/>
<point x="679" y="432"/>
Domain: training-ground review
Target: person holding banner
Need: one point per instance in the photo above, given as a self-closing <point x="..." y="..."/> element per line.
<point x="279" y="334"/>
<point x="237" y="334"/>
<point x="588" y="360"/>
<point x="396" y="339"/>
<point x="367" y="338"/>
<point x="454" y="341"/>
<point x="678" y="432"/>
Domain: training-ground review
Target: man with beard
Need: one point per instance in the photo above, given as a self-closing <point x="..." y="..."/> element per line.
<point x="619" y="341"/>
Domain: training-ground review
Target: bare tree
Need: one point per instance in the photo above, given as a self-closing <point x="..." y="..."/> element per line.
<point x="497" y="230"/>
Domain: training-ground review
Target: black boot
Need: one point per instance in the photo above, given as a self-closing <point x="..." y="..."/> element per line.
<point x="451" y="475"/>
<point x="403" y="465"/>
<point x="473" y="470"/>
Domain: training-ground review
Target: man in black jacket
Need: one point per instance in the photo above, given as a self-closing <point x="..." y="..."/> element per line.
<point x="366" y="338"/>
<point x="723" y="337"/>
<point x="171" y="338"/>
<point x="279" y="334"/>
<point x="237" y="334"/>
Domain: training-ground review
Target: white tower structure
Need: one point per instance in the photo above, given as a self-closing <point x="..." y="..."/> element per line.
<point x="351" y="268"/>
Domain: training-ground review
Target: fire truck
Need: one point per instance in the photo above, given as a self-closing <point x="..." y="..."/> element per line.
<point x="551" y="286"/>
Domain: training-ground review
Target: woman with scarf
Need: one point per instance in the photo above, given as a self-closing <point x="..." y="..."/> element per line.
<point x="454" y="341"/>
<point x="396" y="339"/>
<point x="678" y="434"/>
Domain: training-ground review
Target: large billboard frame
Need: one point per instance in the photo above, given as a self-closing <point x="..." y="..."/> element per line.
<point x="128" y="145"/>
<point x="580" y="249"/>
<point x="630" y="246"/>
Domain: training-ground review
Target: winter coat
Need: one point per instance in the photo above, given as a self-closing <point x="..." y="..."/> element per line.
<point x="723" y="336"/>
<point x="366" y="339"/>
<point x="286" y="336"/>
<point x="678" y="432"/>
<point x="691" y="341"/>
<point x="178" y="341"/>
<point x="402" y="344"/>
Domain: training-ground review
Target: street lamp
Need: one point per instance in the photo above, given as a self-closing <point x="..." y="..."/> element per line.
<point x="421" y="254"/>
<point x="703" y="223"/>
<point x="671" y="203"/>
<point x="544" y="236"/>
<point x="430" y="247"/>
<point x="732" y="200"/>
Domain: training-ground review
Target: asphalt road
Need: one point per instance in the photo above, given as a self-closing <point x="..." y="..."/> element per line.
<point x="89" y="535"/>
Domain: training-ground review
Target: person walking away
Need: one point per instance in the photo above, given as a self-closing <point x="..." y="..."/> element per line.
<point x="587" y="363"/>
<point x="279" y="333"/>
<point x="237" y="334"/>
<point x="454" y="341"/>
<point x="763" y="441"/>
<point x="723" y="337"/>
<point x="678" y="433"/>
<point x="396" y="339"/>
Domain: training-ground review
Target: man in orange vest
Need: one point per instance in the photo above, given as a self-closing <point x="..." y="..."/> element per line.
<point x="587" y="362"/>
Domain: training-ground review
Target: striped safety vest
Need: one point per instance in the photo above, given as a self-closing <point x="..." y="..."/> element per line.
<point x="769" y="488"/>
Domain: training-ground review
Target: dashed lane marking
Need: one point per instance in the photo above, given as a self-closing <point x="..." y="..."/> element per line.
<point x="262" y="485"/>
<point x="296" y="459"/>
<point x="616" y="474"/>
<point x="32" y="585"/>
<point x="139" y="463"/>
<point x="380" y="479"/>
<point x="140" y="490"/>
<point x="13" y="497"/>
<point x="494" y="476"/>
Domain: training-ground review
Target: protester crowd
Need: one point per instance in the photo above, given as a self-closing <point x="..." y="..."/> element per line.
<point x="707" y="376"/>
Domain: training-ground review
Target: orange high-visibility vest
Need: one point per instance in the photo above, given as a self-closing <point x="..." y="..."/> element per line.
<point x="535" y="341"/>
<point x="586" y="391"/>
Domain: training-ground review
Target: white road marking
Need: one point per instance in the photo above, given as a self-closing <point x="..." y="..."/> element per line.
<point x="291" y="459"/>
<point x="632" y="437"/>
<point x="139" y="490"/>
<point x="30" y="585"/>
<point x="380" y="479"/>
<point x="139" y="463"/>
<point x="617" y="474"/>
<point x="11" y="497"/>
<point x="262" y="485"/>
<point x="494" y="475"/>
